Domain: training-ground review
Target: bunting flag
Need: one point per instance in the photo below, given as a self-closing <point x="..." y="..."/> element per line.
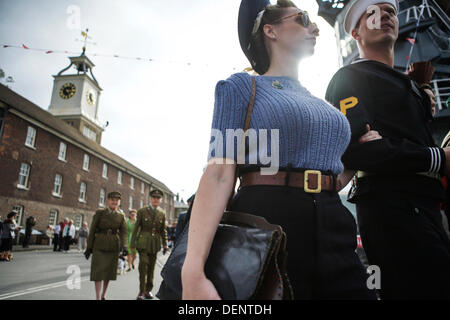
<point x="412" y="41"/>
<point x="51" y="51"/>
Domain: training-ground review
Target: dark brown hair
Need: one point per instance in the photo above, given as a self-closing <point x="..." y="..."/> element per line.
<point x="260" y="57"/>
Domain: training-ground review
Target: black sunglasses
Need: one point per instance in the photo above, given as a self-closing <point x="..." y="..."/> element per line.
<point x="301" y="18"/>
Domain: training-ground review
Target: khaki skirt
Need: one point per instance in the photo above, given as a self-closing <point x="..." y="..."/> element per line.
<point x="104" y="265"/>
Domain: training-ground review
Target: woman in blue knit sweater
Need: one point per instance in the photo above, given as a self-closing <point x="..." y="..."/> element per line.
<point x="304" y="133"/>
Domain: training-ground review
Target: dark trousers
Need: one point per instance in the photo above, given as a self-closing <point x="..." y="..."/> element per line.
<point x="404" y="236"/>
<point x="321" y="240"/>
<point x="26" y="239"/>
<point x="67" y="241"/>
<point x="61" y="242"/>
<point x="146" y="268"/>
<point x="55" y="242"/>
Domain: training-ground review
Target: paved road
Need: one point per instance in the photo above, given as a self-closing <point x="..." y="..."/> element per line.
<point x="48" y="275"/>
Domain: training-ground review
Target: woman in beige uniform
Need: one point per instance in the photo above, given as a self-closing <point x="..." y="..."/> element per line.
<point x="107" y="237"/>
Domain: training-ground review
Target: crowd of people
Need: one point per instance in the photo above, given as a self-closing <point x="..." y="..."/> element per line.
<point x="114" y="241"/>
<point x="65" y="235"/>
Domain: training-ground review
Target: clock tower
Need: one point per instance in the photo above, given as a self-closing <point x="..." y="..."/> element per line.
<point x="75" y="98"/>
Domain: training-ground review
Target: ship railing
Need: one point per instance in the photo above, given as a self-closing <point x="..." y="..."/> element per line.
<point x="442" y="92"/>
<point x="428" y="12"/>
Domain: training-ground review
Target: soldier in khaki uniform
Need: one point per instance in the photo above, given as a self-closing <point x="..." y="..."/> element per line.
<point x="107" y="237"/>
<point x="148" y="235"/>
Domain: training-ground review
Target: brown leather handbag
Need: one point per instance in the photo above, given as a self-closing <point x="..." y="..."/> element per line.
<point x="247" y="259"/>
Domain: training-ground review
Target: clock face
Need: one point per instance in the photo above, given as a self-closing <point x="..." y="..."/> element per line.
<point x="90" y="97"/>
<point x="67" y="90"/>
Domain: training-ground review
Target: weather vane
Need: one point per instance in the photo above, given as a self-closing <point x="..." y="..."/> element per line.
<point x="84" y="34"/>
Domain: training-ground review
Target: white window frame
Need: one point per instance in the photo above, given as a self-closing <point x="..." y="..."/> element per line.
<point x="119" y="177"/>
<point x="19" y="209"/>
<point x="30" y="140"/>
<point x="53" y="217"/>
<point x="142" y="187"/>
<point x="24" y="174"/>
<point x="105" y="171"/>
<point x="78" y="221"/>
<point x="130" y="205"/>
<point x="86" y="161"/>
<point x="83" y="189"/>
<point x="57" y="186"/>
<point x="141" y="204"/>
<point x="102" y="199"/>
<point x="62" y="151"/>
<point x="132" y="183"/>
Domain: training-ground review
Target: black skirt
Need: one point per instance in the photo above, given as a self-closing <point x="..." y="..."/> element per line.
<point x="6" y="244"/>
<point x="321" y="240"/>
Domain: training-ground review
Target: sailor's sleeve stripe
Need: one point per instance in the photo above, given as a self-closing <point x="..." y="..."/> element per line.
<point x="435" y="160"/>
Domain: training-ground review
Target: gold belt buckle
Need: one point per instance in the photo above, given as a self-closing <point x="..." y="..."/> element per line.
<point x="319" y="181"/>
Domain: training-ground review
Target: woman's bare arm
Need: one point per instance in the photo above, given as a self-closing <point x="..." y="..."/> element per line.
<point x="211" y="199"/>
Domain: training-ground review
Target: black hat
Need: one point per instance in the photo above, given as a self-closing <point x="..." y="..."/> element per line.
<point x="114" y="194"/>
<point x="156" y="193"/>
<point x="248" y="11"/>
<point x="11" y="214"/>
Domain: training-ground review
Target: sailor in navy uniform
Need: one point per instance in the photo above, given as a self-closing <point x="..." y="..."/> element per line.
<point x="398" y="187"/>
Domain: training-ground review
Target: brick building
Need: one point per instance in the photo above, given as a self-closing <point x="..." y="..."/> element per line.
<point x="52" y="167"/>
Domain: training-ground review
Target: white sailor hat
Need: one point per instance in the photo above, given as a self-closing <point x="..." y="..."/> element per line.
<point x="358" y="7"/>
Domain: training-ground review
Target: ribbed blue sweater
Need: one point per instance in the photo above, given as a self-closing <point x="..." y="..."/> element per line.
<point x="312" y="133"/>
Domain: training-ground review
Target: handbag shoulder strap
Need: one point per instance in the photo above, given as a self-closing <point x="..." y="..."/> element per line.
<point x="248" y="117"/>
<point x="251" y="104"/>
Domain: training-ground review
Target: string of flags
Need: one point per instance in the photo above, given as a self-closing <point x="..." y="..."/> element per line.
<point x="116" y="56"/>
<point x="412" y="40"/>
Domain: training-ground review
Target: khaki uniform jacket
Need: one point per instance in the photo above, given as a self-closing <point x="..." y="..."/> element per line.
<point x="150" y="230"/>
<point x="108" y="231"/>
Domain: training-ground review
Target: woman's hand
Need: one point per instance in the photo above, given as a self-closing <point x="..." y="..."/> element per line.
<point x="213" y="192"/>
<point x="196" y="286"/>
<point x="370" y="135"/>
<point x="344" y="178"/>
